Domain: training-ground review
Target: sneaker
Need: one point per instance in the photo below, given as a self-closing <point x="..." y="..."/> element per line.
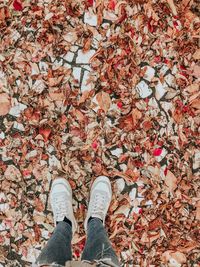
<point x="61" y="202"/>
<point x="100" y="198"/>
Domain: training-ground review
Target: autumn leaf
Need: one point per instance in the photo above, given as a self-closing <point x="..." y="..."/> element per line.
<point x="103" y="100"/>
<point x="170" y="181"/>
<point x="136" y="116"/>
<point x="157" y="152"/>
<point x="45" y="132"/>
<point x="5" y="104"/>
<point x="17" y="5"/>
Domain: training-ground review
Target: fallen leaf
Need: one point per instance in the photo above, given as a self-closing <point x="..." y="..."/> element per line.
<point x="5" y="104"/>
<point x="17" y="5"/>
<point x="45" y="132"/>
<point x="172" y="6"/>
<point x="196" y="55"/>
<point x="136" y="116"/>
<point x="103" y="100"/>
<point x="171" y="181"/>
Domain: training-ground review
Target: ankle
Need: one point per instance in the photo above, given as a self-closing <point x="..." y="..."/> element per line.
<point x="66" y="220"/>
<point x="94" y="218"/>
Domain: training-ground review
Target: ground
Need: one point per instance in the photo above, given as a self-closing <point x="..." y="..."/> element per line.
<point x="102" y="87"/>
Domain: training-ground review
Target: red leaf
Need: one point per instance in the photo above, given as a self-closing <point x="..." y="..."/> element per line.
<point x="157" y="151"/>
<point x="90" y="2"/>
<point x="112" y="4"/>
<point x="140" y="211"/>
<point x="45" y="132"/>
<point x="94" y="144"/>
<point x="165" y="171"/>
<point x="119" y="104"/>
<point x="17" y="5"/>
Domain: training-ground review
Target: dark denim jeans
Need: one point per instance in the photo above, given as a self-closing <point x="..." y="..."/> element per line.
<point x="97" y="247"/>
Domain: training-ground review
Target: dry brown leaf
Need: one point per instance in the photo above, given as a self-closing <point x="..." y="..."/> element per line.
<point x="192" y="88"/>
<point x="136" y="116"/>
<point x="171" y="181"/>
<point x="172" y="6"/>
<point x="5" y="104"/>
<point x="103" y="100"/>
<point x="195" y="104"/>
<point x="196" y="55"/>
<point x="198" y="210"/>
<point x="57" y="95"/>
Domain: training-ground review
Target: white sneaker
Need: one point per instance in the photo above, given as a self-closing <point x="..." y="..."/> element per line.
<point x="61" y="202"/>
<point x="100" y="198"/>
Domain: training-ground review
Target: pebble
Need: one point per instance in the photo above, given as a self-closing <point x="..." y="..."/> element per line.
<point x="16" y="110"/>
<point x="84" y="58"/>
<point x="90" y="19"/>
<point x="160" y="90"/>
<point x="69" y="56"/>
<point x="77" y="73"/>
<point x="84" y="85"/>
<point x="18" y="126"/>
<point x="149" y="74"/>
<point x="116" y="152"/>
<point x="120" y="185"/>
<point x="143" y="89"/>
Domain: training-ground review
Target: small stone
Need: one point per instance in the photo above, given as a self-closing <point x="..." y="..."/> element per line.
<point x="31" y="154"/>
<point x="18" y="126"/>
<point x="84" y="85"/>
<point x="90" y="19"/>
<point x="132" y="194"/>
<point x="196" y="162"/>
<point x="74" y="48"/>
<point x="160" y="90"/>
<point x="69" y="56"/>
<point x="169" y="79"/>
<point x="149" y="74"/>
<point x="16" y="110"/>
<point x="54" y="162"/>
<point x="77" y="73"/>
<point x="2" y="135"/>
<point x="123" y="167"/>
<point x="164" y="69"/>
<point x="120" y="185"/>
<point x="84" y="58"/>
<point x="143" y="89"/>
<point x="116" y="152"/>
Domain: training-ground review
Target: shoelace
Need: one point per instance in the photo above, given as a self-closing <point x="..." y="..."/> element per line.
<point x="60" y="208"/>
<point x="99" y="204"/>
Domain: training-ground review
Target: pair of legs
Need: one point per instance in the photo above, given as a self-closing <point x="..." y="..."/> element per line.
<point x="98" y="246"/>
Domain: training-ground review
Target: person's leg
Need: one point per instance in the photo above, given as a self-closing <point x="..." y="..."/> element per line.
<point x="98" y="246"/>
<point x="58" y="248"/>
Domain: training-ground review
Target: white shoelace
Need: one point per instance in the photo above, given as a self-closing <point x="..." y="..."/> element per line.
<point x="60" y="207"/>
<point x="99" y="204"/>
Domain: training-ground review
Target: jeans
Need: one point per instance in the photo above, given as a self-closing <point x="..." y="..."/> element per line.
<point x="97" y="247"/>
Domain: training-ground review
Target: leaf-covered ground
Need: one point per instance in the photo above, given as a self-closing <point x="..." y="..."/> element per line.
<point x="102" y="87"/>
